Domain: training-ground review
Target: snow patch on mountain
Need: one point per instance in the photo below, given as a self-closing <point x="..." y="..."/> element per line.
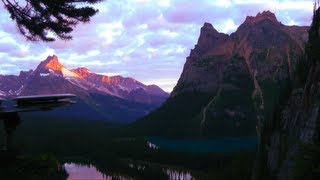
<point x="78" y="83"/>
<point x="44" y="74"/>
<point x="11" y="92"/>
<point x="123" y="88"/>
<point x="2" y="93"/>
<point x="67" y="73"/>
<point x="18" y="92"/>
<point x="106" y="90"/>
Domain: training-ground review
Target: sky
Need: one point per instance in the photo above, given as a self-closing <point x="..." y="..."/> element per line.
<point x="148" y="40"/>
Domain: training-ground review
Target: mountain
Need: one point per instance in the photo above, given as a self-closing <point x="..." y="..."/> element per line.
<point x="113" y="98"/>
<point x="289" y="145"/>
<point x="230" y="83"/>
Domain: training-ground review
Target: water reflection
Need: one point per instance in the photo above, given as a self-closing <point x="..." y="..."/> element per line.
<point x="85" y="172"/>
<point x="138" y="167"/>
<point x="78" y="172"/>
<point x="152" y="146"/>
<point x="173" y="174"/>
<point x="178" y="175"/>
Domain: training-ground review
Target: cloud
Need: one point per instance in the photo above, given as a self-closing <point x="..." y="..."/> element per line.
<point x="145" y="39"/>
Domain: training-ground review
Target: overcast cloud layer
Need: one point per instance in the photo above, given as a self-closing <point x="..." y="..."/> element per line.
<point x="144" y="39"/>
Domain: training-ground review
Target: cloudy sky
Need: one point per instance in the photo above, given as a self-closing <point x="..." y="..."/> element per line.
<point x="144" y="39"/>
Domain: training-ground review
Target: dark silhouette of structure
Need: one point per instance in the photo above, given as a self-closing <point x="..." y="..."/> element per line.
<point x="11" y="118"/>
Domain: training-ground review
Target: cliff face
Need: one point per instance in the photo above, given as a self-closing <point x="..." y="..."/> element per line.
<point x="248" y="72"/>
<point x="199" y="72"/>
<point x="265" y="44"/>
<point x="282" y="153"/>
<point x="233" y="82"/>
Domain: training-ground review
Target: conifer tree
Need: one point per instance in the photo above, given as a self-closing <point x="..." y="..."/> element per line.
<point x="313" y="45"/>
<point x="36" y="19"/>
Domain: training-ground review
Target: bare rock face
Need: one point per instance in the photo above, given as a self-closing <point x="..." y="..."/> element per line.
<point x="244" y="74"/>
<point x="199" y="72"/>
<point x="296" y="124"/>
<point x="266" y="44"/>
<point x="209" y="38"/>
<point x="289" y="141"/>
<point x="265" y="15"/>
<point x="50" y="64"/>
<point x="270" y="52"/>
<point x="82" y="72"/>
<point x="126" y="88"/>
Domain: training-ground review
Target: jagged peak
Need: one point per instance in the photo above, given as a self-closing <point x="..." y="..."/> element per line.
<point x="81" y="69"/>
<point x="53" y="58"/>
<point x="266" y="14"/>
<point x="208" y="27"/>
<point x="262" y="16"/>
<point x="52" y="62"/>
<point x="52" y="66"/>
<point x="81" y="72"/>
<point x="24" y="74"/>
<point x="209" y="38"/>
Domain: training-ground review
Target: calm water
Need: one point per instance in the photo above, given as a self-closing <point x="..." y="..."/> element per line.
<point x="83" y="172"/>
<point x="87" y="172"/>
<point x="90" y="172"/>
<point x="203" y="146"/>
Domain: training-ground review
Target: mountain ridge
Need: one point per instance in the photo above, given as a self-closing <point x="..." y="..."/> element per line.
<point x="113" y="98"/>
<point x="52" y="66"/>
<point x="238" y="78"/>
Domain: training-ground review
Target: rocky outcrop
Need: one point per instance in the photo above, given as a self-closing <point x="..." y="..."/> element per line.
<point x="295" y="124"/>
<point x="201" y="72"/>
<point x="244" y="75"/>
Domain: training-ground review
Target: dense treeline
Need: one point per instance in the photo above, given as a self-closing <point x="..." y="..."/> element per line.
<point x="89" y="142"/>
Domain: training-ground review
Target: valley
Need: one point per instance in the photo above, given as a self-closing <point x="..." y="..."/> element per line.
<point x="244" y="105"/>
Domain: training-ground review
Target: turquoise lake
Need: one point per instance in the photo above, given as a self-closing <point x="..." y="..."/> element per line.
<point x="205" y="146"/>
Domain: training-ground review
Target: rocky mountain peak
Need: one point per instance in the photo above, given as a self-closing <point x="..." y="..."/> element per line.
<point x="265" y="15"/>
<point x="52" y="66"/>
<point x="209" y="37"/>
<point x="206" y="31"/>
<point x="82" y="69"/>
<point x="208" y="27"/>
<point x="52" y="62"/>
<point x="25" y="73"/>
<point x="81" y="72"/>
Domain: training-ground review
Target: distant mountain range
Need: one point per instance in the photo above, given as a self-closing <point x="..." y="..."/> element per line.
<point x="114" y="98"/>
<point x="231" y="84"/>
